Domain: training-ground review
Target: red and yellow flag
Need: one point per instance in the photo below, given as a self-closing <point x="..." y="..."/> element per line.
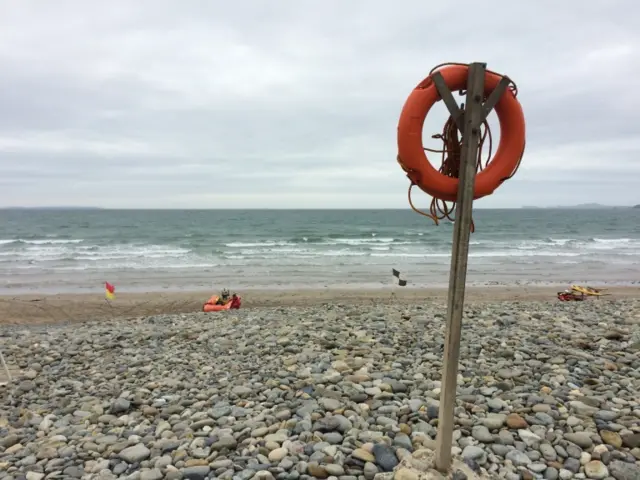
<point x="110" y="291"/>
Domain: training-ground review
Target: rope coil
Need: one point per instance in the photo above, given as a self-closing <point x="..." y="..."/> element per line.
<point x="451" y="156"/>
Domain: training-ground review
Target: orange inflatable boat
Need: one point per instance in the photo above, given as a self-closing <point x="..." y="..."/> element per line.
<point x="211" y="305"/>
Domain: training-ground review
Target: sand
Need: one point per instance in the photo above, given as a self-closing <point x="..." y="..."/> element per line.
<point x="63" y="308"/>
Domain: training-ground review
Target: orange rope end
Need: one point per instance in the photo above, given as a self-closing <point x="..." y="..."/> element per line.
<point x="432" y="217"/>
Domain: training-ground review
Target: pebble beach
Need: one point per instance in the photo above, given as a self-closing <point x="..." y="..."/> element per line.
<point x="348" y="391"/>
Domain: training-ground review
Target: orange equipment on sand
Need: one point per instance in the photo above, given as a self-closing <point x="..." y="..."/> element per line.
<point x="212" y="305"/>
<point x="442" y="184"/>
<point x="569" y="296"/>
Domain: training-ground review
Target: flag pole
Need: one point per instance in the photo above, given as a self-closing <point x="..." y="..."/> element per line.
<point x="108" y="290"/>
<point x="394" y="286"/>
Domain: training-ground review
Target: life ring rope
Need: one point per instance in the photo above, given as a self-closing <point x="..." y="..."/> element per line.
<point x="443" y="206"/>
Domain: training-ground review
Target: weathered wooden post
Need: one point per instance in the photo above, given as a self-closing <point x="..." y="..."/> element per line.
<point x="471" y="121"/>
<point x="413" y="161"/>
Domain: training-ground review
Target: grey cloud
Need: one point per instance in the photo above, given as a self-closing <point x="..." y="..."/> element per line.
<point x="204" y="104"/>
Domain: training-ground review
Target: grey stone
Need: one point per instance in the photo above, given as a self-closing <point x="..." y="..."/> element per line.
<point x="518" y="458"/>
<point x="153" y="474"/>
<point x="195" y="473"/>
<point x="120" y="405"/>
<point x="550" y="473"/>
<point x="385" y="457"/>
<point x="572" y="464"/>
<point x="624" y="471"/>
<point x="494" y="421"/>
<point x="581" y="439"/>
<point x="475" y="453"/>
<point x="482" y="434"/>
<point x="135" y="454"/>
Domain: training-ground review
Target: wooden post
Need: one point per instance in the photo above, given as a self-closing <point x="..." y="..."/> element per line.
<point x="473" y="116"/>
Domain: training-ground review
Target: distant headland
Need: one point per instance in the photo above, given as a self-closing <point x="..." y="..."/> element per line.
<point x="582" y="206"/>
<point x="51" y="208"/>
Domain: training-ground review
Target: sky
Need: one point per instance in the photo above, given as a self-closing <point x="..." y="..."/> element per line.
<point x="205" y="104"/>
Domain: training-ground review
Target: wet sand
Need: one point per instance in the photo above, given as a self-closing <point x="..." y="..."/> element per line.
<point x="63" y="308"/>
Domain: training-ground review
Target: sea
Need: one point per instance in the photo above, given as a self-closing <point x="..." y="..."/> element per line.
<point x="73" y="251"/>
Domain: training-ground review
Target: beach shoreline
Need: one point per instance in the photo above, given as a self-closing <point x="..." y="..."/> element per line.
<point x="33" y="309"/>
<point x="140" y="251"/>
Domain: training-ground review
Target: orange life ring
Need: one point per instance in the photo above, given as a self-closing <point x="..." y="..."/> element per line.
<point x="411" y="153"/>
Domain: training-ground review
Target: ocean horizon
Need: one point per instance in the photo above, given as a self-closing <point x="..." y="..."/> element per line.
<point x="76" y="249"/>
<point x="526" y="207"/>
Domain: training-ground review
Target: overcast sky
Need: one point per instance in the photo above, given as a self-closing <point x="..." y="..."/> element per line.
<point x="207" y="104"/>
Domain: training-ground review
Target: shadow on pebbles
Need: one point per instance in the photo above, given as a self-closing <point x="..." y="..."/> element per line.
<point x="545" y="390"/>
